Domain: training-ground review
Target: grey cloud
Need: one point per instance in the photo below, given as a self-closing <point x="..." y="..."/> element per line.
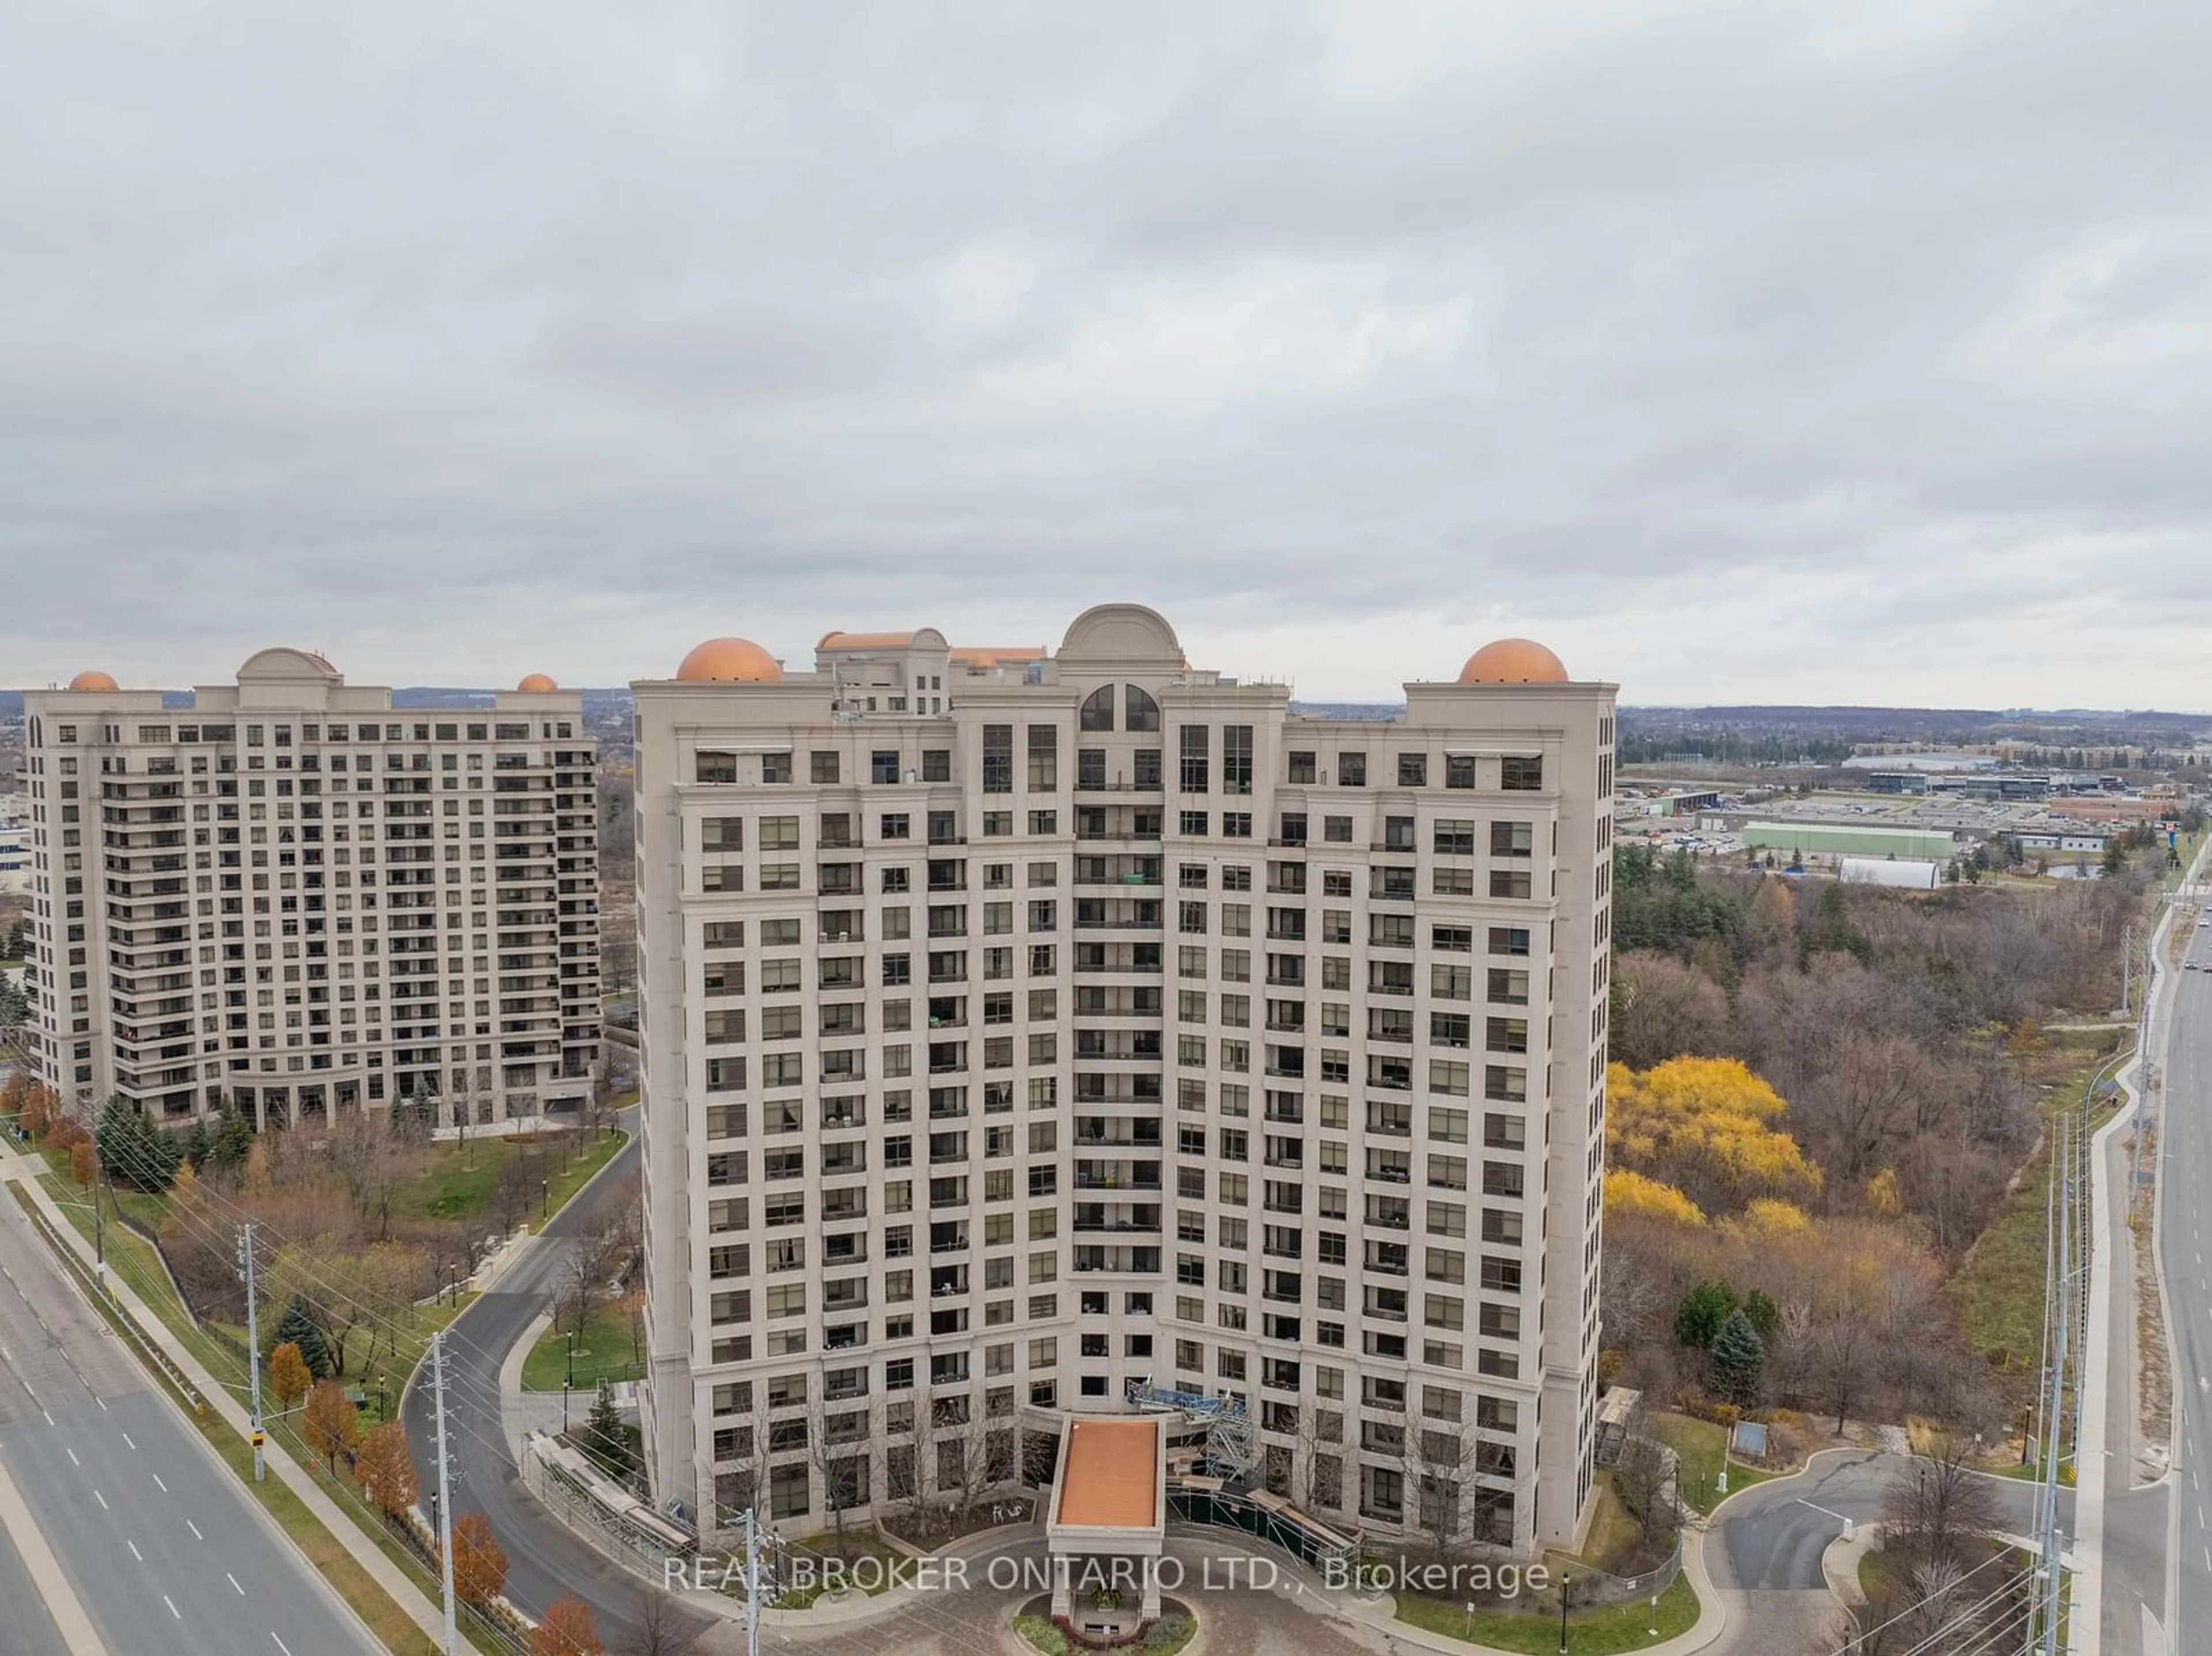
<point x="1745" y="351"/>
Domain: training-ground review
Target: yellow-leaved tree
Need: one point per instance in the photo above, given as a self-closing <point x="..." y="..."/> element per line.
<point x="1629" y="1194"/>
<point x="1708" y="1127"/>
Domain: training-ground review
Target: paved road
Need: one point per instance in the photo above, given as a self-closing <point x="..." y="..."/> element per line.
<point x="164" y="1550"/>
<point x="30" y="1629"/>
<point x="1766" y="1554"/>
<point x="545" y="1558"/>
<point x="2186" y="1178"/>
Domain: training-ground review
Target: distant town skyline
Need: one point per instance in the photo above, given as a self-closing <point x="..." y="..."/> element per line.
<point x="1737" y="353"/>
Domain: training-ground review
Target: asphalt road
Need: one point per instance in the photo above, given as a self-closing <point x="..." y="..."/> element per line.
<point x="545" y="1558"/>
<point x="30" y="1629"/>
<point x="2185" y="1178"/>
<point x="161" y="1544"/>
<point x="1771" y="1539"/>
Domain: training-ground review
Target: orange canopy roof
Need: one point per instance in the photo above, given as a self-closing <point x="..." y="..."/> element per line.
<point x="1113" y="1474"/>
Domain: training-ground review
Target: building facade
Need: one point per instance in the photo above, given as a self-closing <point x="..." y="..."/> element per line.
<point x="1021" y="1030"/>
<point x="291" y="893"/>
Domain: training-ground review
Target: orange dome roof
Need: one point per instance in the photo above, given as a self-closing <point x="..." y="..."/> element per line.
<point x="730" y="661"/>
<point x="1513" y="661"/>
<point x="92" y="681"/>
<point x="536" y="684"/>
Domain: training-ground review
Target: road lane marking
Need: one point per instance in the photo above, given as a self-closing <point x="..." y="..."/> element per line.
<point x="281" y="1645"/>
<point x="135" y="1553"/>
<point x="172" y="1603"/>
<point x="102" y="1500"/>
<point x="165" y="1488"/>
<point x="195" y="1529"/>
<point x="134" y="1448"/>
<point x="71" y="1453"/>
<point x="232" y="1580"/>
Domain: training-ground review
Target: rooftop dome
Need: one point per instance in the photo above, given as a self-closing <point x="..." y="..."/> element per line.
<point x="1513" y="661"/>
<point x="536" y="684"/>
<point x="92" y="680"/>
<point x="730" y="661"/>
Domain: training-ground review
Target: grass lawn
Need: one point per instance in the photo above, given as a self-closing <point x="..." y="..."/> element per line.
<point x="1699" y="1444"/>
<point x="1605" y="1632"/>
<point x="606" y="1352"/>
<point x="386" y="1363"/>
<point x="462" y="1177"/>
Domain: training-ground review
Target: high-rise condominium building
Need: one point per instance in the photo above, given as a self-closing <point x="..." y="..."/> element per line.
<point x="292" y="894"/>
<point x="1022" y="1029"/>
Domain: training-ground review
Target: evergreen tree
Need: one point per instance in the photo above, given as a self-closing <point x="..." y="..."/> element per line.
<point x="234" y="1138"/>
<point x="134" y="1151"/>
<point x="1739" y="1357"/>
<point x="1766" y="1315"/>
<point x="199" y="1146"/>
<point x="607" y="1441"/>
<point x="298" y="1326"/>
<point x="1703" y="1312"/>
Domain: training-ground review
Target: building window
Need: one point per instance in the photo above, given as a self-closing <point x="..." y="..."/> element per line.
<point x="937" y="764"/>
<point x="997" y="759"/>
<point x="1044" y="758"/>
<point x="821" y="766"/>
<point x="883" y="768"/>
<point x="1521" y="775"/>
<point x="787" y="1491"/>
<point x="1140" y="713"/>
<point x="1352" y="770"/>
<point x="1236" y="759"/>
<point x="1412" y="770"/>
<point x="776" y="767"/>
<point x="1196" y="746"/>
<point x="1097" y="711"/>
<point x="1459" y="770"/>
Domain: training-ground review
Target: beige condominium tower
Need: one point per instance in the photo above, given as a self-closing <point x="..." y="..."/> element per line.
<point x="290" y="893"/>
<point x="1025" y="1031"/>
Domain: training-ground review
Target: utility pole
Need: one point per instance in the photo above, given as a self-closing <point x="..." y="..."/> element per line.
<point x="752" y="1585"/>
<point x="252" y="1340"/>
<point x="445" y="1489"/>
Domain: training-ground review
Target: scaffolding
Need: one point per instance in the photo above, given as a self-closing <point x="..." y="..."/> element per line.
<point x="1229" y="1448"/>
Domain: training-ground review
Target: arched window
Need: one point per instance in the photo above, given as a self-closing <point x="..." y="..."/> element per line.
<point x="1144" y="712"/>
<point x="1097" y="712"/>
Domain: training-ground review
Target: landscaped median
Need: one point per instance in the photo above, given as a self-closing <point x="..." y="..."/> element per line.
<point x="1604" y="1631"/>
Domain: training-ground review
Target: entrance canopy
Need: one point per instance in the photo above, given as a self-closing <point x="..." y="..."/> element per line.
<point x="1111" y="1495"/>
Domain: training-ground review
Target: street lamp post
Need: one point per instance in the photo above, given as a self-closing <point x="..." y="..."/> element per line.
<point x="572" y="1357"/>
<point x="1564" y="1579"/>
<point x="565" y="1386"/>
<point x="544" y="1198"/>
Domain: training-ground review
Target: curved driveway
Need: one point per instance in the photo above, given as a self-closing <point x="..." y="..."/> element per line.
<point x="1765" y="1558"/>
<point x="545" y="1558"/>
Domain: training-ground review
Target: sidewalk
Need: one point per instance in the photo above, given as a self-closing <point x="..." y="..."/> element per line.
<point x="18" y="1169"/>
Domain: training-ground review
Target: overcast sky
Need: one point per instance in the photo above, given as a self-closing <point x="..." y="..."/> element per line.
<point x="1739" y="351"/>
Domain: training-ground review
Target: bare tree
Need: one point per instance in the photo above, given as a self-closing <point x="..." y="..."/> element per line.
<point x="1845" y="1355"/>
<point x="1321" y="1441"/>
<point x="1936" y="1507"/>
<point x="836" y="1449"/>
<point x="657" y="1630"/>
<point x="1644" y="1482"/>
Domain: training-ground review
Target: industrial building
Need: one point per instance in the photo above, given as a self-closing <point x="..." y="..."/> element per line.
<point x="1802" y="842"/>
